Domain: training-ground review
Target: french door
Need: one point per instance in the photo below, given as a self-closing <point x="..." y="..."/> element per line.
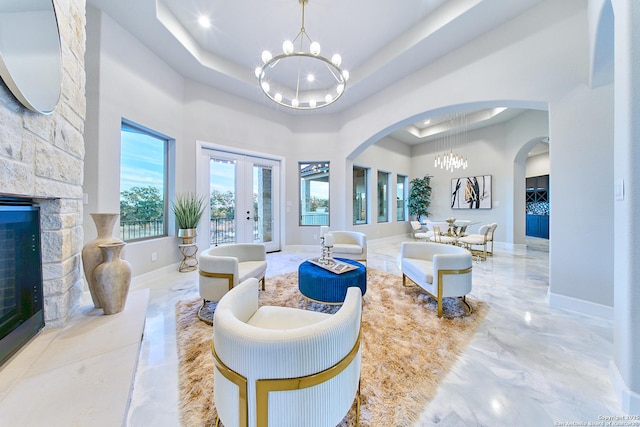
<point x="244" y="199"/>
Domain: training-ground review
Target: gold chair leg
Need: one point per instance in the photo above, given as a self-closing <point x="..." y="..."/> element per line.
<point x="404" y="281"/>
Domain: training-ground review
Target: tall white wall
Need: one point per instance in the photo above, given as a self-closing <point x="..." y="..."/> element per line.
<point x="625" y="367"/>
<point x="581" y="157"/>
<point x="125" y="80"/>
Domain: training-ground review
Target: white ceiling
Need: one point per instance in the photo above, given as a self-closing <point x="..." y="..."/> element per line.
<point x="381" y="41"/>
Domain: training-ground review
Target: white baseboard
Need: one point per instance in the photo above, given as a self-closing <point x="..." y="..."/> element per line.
<point x="580" y="306"/>
<point x="629" y="400"/>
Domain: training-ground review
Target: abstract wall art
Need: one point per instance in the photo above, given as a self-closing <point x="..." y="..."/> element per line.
<point x="471" y="192"/>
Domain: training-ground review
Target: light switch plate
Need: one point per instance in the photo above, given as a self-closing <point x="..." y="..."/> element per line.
<point x="619" y="190"/>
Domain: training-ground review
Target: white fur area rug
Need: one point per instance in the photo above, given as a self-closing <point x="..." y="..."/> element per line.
<point x="406" y="349"/>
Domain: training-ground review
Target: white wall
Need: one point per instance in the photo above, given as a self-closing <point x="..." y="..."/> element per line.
<point x="125" y="80"/>
<point x="537" y="165"/>
<point x="581" y="154"/>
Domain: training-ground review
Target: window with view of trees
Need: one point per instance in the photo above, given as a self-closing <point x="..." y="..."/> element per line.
<point x="314" y="193"/>
<point x="143" y="183"/>
<point x="401" y="198"/>
<point x="359" y="195"/>
<point x="383" y="196"/>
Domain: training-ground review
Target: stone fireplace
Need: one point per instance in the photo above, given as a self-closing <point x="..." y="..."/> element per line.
<point x="41" y="159"/>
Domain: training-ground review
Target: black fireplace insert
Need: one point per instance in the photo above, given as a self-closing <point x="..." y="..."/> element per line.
<point x="21" y="305"/>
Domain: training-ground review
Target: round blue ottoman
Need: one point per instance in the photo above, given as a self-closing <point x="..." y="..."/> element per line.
<point x="320" y="285"/>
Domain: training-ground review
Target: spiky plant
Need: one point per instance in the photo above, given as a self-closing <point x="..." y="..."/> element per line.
<point x="188" y="209"/>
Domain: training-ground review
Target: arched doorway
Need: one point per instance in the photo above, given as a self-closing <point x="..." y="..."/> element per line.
<point x="537" y="197"/>
<point x="520" y="182"/>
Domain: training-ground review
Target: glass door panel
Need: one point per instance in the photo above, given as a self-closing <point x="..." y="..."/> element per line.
<point x="244" y="193"/>
<point x="222" y="197"/>
<point x="263" y="208"/>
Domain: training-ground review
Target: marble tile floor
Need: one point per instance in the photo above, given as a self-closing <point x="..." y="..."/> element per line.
<point x="528" y="364"/>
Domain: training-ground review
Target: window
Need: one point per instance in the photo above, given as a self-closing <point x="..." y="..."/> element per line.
<point x="383" y="196"/>
<point x="359" y="195"/>
<point x="401" y="198"/>
<point x="143" y="183"/>
<point x="314" y="193"/>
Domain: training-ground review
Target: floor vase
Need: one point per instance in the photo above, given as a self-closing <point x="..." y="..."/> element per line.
<point x="92" y="254"/>
<point x="112" y="278"/>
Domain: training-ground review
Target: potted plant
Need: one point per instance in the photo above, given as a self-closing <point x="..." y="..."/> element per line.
<point x="420" y="196"/>
<point x="188" y="209"/>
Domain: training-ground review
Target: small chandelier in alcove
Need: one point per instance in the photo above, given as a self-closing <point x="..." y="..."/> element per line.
<point x="449" y="156"/>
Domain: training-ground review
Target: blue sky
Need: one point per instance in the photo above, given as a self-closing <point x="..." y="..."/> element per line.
<point x="222" y="175"/>
<point x="142" y="161"/>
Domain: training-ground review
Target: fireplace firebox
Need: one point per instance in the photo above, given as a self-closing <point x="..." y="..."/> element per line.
<point x="21" y="300"/>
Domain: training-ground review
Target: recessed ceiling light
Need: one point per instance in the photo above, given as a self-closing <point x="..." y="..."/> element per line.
<point x="204" y="21"/>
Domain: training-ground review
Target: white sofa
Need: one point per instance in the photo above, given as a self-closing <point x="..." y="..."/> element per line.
<point x="287" y="366"/>
<point x="223" y="267"/>
<point x="441" y="270"/>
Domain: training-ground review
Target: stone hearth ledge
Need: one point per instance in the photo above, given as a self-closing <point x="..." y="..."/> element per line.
<point x="80" y="374"/>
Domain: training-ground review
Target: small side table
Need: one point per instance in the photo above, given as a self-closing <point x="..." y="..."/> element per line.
<point x="189" y="259"/>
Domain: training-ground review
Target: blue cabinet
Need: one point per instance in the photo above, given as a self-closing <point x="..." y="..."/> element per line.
<point x="538" y="226"/>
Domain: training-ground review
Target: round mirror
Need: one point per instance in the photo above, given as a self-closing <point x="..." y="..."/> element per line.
<point x="30" y="60"/>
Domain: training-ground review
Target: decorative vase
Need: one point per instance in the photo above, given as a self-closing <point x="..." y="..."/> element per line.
<point x="112" y="278"/>
<point x="187" y="235"/>
<point x="91" y="253"/>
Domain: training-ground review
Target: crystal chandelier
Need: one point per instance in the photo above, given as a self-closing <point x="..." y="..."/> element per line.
<point x="454" y="135"/>
<point x="302" y="79"/>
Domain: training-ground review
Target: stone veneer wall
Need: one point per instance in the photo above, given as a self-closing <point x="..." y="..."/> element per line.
<point x="42" y="157"/>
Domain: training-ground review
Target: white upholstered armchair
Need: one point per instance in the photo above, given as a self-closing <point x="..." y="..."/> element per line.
<point x="441" y="270"/>
<point x="284" y="366"/>
<point x="483" y="238"/>
<point x="223" y="267"/>
<point x="349" y="245"/>
<point x="418" y="233"/>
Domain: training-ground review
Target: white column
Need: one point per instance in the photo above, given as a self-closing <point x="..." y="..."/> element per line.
<point x="625" y="368"/>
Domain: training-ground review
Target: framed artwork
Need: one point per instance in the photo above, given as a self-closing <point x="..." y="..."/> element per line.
<point x="471" y="192"/>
